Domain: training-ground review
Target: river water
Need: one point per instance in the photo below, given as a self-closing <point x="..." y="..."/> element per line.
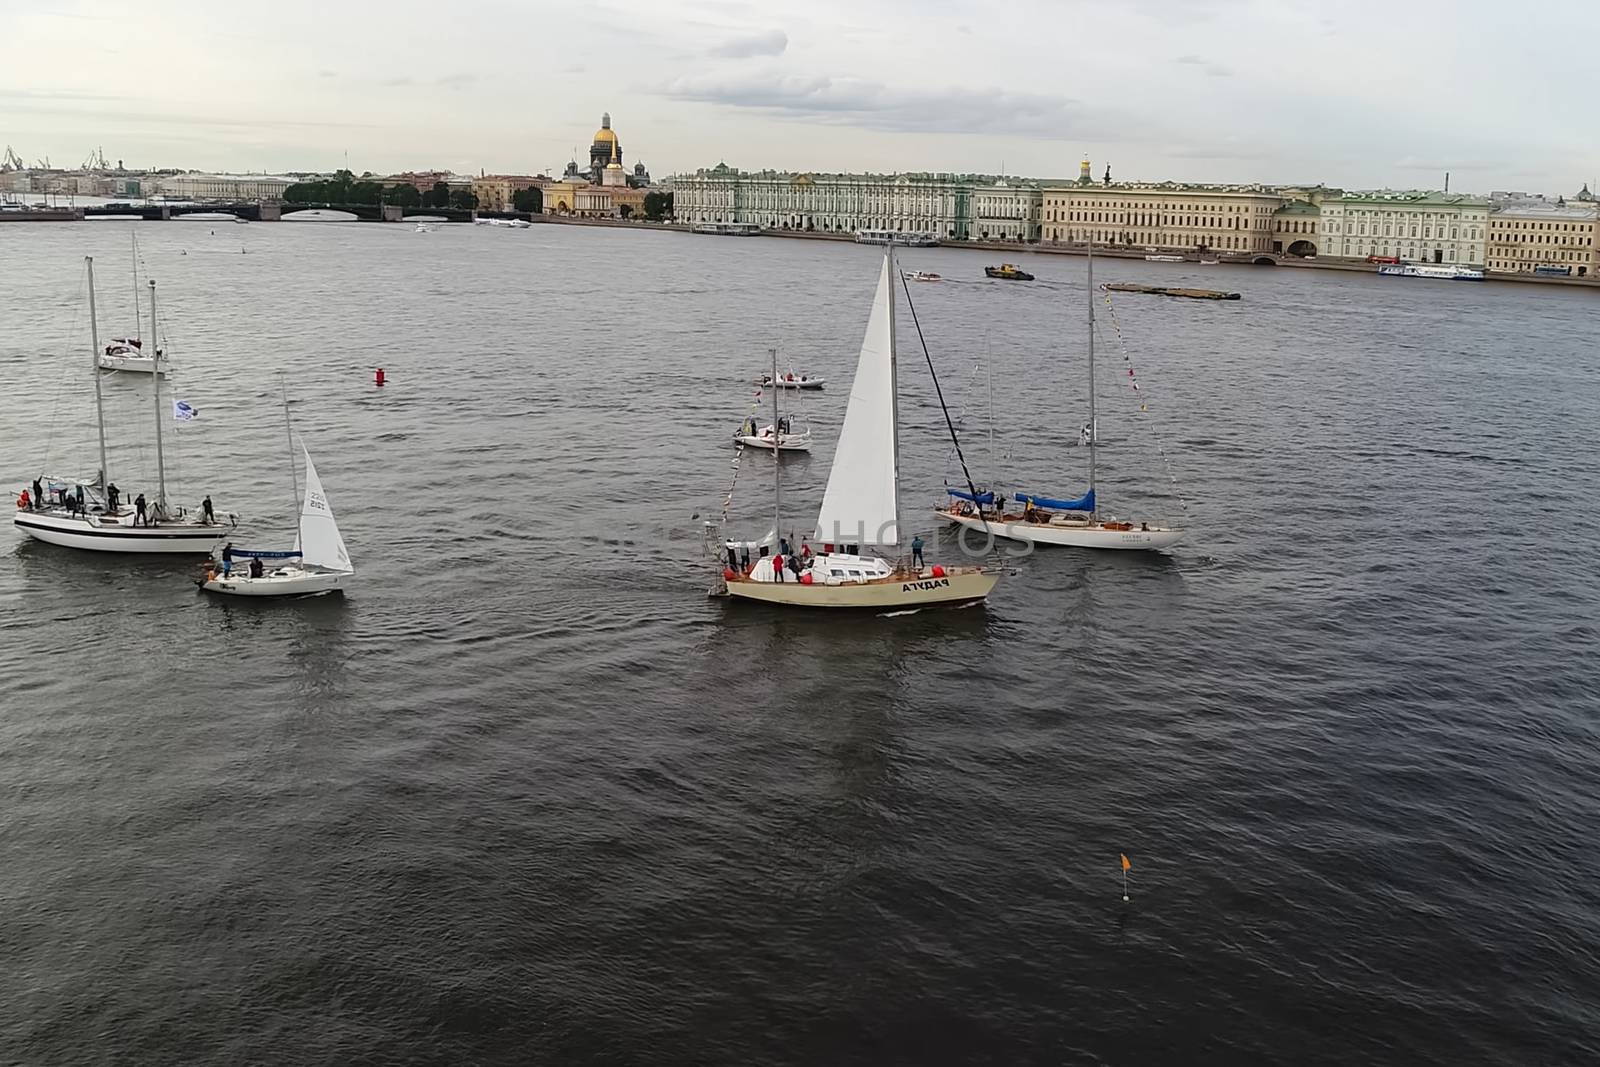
<point x="527" y="795"/>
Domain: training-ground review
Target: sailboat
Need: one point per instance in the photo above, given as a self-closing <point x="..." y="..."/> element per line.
<point x="1075" y="522"/>
<point x="128" y="353"/>
<point x="319" y="562"/>
<point x="861" y="504"/>
<point x="98" y="517"/>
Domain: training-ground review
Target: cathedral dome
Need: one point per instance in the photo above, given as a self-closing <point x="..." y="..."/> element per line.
<point x="604" y="135"/>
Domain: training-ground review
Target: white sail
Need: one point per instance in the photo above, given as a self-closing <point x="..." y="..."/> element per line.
<point x="859" y="505"/>
<point x="320" y="543"/>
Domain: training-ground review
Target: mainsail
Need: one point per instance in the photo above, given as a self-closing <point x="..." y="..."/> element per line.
<point x="859" y="506"/>
<point x="320" y="544"/>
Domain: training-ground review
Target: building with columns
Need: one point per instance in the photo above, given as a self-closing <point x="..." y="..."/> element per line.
<point x="1162" y="216"/>
<point x="942" y="206"/>
<point x="1418" y="226"/>
<point x="1528" y="232"/>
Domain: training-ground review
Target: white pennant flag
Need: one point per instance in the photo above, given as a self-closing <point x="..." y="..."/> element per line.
<point x="183" y="411"/>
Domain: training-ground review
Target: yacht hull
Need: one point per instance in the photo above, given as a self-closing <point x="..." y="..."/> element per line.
<point x="886" y="594"/>
<point x="1089" y="535"/>
<point x="97" y="534"/>
<point x="292" y="583"/>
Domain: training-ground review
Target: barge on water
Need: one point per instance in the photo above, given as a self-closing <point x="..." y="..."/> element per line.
<point x="1167" y="290"/>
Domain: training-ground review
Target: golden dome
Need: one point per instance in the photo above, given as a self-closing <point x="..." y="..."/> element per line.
<point x="604" y="135"/>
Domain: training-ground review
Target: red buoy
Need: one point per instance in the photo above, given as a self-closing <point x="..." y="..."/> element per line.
<point x="377" y="379"/>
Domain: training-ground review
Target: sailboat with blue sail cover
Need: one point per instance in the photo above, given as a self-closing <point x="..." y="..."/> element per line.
<point x="1049" y="520"/>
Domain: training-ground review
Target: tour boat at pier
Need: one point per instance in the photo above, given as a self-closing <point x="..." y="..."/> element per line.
<point x="1075" y="522"/>
<point x="896" y="237"/>
<point x="1009" y="272"/>
<point x="1163" y="259"/>
<point x="1436" y="271"/>
<point x="107" y="521"/>
<point x="728" y="229"/>
<point x="861" y="504"/>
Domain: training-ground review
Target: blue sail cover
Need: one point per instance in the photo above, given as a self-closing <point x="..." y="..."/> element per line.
<point x="247" y="553"/>
<point x="980" y="498"/>
<point x="1083" y="503"/>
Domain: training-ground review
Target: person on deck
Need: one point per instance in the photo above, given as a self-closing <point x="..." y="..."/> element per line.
<point x="744" y="559"/>
<point x="916" y="551"/>
<point x="777" y="569"/>
<point x="805" y="549"/>
<point x="783" y="546"/>
<point x="77" y="499"/>
<point x="794" y="566"/>
<point x="25" y="502"/>
<point x="113" y="497"/>
<point x="227" y="559"/>
<point x="256" y="567"/>
<point x="205" y="507"/>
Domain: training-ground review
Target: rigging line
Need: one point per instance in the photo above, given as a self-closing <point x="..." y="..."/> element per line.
<point x="940" y="393"/>
<point x="1161" y="448"/>
<point x="961" y="418"/>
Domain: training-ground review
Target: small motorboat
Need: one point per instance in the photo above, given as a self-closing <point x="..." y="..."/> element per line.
<point x="1008" y="272"/>
<point x="791" y="381"/>
<point x="127" y="353"/>
<point x="784" y="441"/>
<point x="922" y="276"/>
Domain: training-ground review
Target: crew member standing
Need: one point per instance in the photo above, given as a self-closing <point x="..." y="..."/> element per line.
<point x="916" y="551"/>
<point x="139" y="517"/>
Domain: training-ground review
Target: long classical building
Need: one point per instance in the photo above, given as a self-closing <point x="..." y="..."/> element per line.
<point x="1527" y="233"/>
<point x="1415" y="225"/>
<point x="943" y="206"/>
<point x="1164" y="216"/>
<point x="226" y="186"/>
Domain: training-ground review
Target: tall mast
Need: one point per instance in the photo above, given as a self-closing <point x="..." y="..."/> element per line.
<point x="777" y="467"/>
<point x="133" y="246"/>
<point x="155" y="390"/>
<point x="1094" y="425"/>
<point x="94" y="369"/>
<point x="894" y="385"/>
<point x="294" y="479"/>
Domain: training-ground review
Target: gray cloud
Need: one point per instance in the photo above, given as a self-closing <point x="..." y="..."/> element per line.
<point x="456" y="81"/>
<point x="769" y="43"/>
<point x="1215" y="70"/>
<point x="874" y="106"/>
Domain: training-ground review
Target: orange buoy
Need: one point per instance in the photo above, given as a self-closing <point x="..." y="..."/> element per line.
<point x="805" y="579"/>
<point x="938" y="571"/>
<point x="377" y="379"/>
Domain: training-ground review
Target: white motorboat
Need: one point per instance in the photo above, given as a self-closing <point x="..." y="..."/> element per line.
<point x="791" y="380"/>
<point x="923" y="276"/>
<point x="319" y="562"/>
<point x="95" y="516"/>
<point x="127" y="353"/>
<point x="786" y="441"/>
<point x="861" y="504"/>
<point x="1051" y="521"/>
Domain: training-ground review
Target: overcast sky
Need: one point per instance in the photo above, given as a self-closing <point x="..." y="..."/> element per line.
<point x="1358" y="93"/>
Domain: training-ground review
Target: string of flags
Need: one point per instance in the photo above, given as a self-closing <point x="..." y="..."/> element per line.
<point x="1133" y="380"/>
<point x="738" y="454"/>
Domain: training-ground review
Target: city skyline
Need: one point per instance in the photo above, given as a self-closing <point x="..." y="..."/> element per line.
<point x="1227" y="91"/>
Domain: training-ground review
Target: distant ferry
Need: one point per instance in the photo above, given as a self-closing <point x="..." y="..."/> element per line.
<point x="728" y="229"/>
<point x="1164" y="259"/>
<point x="1437" y="271"/>
<point x="895" y="237"/>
